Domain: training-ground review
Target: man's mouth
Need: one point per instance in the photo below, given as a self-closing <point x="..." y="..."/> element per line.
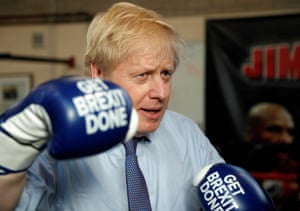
<point x="151" y="110"/>
<point x="151" y="113"/>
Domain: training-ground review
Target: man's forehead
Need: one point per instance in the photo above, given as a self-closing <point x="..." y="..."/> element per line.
<point x="152" y="57"/>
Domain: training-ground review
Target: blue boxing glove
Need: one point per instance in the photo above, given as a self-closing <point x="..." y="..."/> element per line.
<point x="72" y="116"/>
<point x="227" y="187"/>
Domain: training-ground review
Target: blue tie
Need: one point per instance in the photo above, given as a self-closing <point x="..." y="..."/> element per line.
<point x="138" y="199"/>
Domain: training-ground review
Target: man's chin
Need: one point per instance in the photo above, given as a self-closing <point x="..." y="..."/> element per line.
<point x="148" y="127"/>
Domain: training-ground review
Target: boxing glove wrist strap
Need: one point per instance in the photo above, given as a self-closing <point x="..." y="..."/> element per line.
<point x="18" y="146"/>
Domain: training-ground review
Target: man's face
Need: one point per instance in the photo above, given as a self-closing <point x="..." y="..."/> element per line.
<point x="278" y="129"/>
<point x="147" y="79"/>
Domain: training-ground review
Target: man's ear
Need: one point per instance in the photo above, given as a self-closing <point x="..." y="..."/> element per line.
<point x="95" y="71"/>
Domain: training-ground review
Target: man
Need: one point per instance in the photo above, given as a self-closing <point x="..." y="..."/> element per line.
<point x="272" y="154"/>
<point x="269" y="123"/>
<point x="134" y="48"/>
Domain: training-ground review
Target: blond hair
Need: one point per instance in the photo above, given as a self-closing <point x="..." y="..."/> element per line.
<point x="111" y="36"/>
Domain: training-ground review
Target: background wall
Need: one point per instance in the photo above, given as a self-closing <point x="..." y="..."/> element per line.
<point x="56" y="29"/>
<point x="165" y="7"/>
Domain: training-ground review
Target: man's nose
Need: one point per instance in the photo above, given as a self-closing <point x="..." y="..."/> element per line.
<point x="158" y="89"/>
<point x="286" y="137"/>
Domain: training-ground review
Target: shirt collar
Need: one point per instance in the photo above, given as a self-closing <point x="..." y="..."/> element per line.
<point x="142" y="139"/>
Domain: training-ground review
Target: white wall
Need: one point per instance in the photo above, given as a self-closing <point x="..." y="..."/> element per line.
<point x="188" y="84"/>
<point x="61" y="41"/>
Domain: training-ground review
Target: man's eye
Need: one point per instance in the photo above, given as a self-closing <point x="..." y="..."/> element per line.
<point x="142" y="75"/>
<point x="274" y="129"/>
<point x="166" y="73"/>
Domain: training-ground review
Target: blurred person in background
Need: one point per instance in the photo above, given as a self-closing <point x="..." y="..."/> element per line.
<point x="271" y="152"/>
